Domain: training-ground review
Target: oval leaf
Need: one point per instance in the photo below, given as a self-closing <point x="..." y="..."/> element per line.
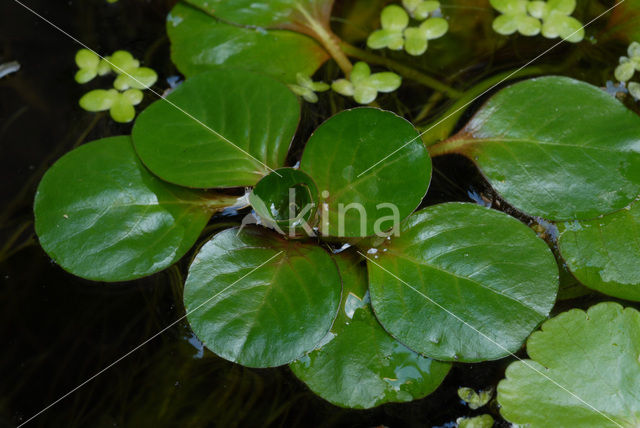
<point x="593" y="356"/>
<point x="344" y="156"/>
<point x="228" y="129"/>
<point x="200" y="43"/>
<point x="101" y="215"/>
<point x="259" y="300"/>
<point x="462" y="282"/>
<point x="358" y="365"/>
<point x="555" y="147"/>
<point x="603" y="253"/>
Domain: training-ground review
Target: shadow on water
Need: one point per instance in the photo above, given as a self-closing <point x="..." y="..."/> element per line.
<point x="57" y="330"/>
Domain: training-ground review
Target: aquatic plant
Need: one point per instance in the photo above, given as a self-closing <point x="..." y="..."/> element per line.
<point x="130" y="79"/>
<point x="552" y="18"/>
<point x="368" y="293"/>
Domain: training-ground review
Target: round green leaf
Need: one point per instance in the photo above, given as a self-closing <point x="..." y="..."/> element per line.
<point x="462" y="282"/>
<point x="603" y="253"/>
<point x="564" y="7"/>
<point x="122" y="110"/>
<point x="343" y="158"/>
<point x="123" y="61"/>
<point x="385" y="39"/>
<point x="423" y="10"/>
<point x="358" y="365"/>
<point x="87" y="59"/>
<point x="434" y="28"/>
<point x="138" y="78"/>
<point x="287" y="197"/>
<point x="200" y="43"/>
<point x="634" y="90"/>
<point x="394" y="18"/>
<point x="101" y="215"/>
<point x="98" y="100"/>
<point x="593" y="356"/>
<point x="528" y="26"/>
<point x="509" y="7"/>
<point x="415" y="42"/>
<point x="85" y="75"/>
<point x="505" y="25"/>
<point x="538" y="8"/>
<point x="625" y="71"/>
<point x="555" y="147"/>
<point x="482" y="421"/>
<point x="228" y="124"/>
<point x="259" y="300"/>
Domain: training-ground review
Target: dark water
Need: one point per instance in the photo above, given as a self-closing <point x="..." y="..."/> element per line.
<point x="57" y="331"/>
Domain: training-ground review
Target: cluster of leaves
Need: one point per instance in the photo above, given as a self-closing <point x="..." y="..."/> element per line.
<point x="377" y="322"/>
<point x="628" y="67"/>
<point x="396" y="33"/>
<point x="552" y="18"/>
<point x="130" y="79"/>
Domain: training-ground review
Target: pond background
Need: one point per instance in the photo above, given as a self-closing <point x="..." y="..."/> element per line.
<point x="57" y="330"/>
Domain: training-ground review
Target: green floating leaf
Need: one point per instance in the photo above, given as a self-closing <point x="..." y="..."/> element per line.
<point x="434" y="28"/>
<point x="563" y="7"/>
<point x="119" y="104"/>
<point x="287" y="197"/>
<point x="219" y="129"/>
<point x="510" y="7"/>
<point x="492" y="280"/>
<point x="266" y="13"/>
<point x="482" y="421"/>
<point x="88" y="62"/>
<point x="259" y="300"/>
<point x="555" y="147"/>
<point x="394" y="18"/>
<point x="505" y="25"/>
<point x="634" y="90"/>
<point x="603" y="253"/>
<point x="423" y="10"/>
<point x="101" y="215"/>
<point x="138" y="78"/>
<point x="358" y="365"/>
<point x="360" y="194"/>
<point x="583" y="372"/>
<point x="625" y="71"/>
<point x="566" y="27"/>
<point x="200" y="43"/>
<point x="474" y="399"/>
<point x="415" y="41"/>
<point x="123" y="61"/>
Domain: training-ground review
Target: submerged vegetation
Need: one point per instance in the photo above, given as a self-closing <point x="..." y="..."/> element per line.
<point x="293" y="166"/>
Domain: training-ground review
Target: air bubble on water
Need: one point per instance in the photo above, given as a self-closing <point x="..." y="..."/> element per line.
<point x="372" y="251"/>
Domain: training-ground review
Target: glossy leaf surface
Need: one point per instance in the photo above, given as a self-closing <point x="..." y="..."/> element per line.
<point x="592" y="354"/>
<point x="266" y="13"/>
<point x="462" y="282"/>
<point x="287" y="197"/>
<point x="358" y="365"/>
<point x="102" y="216"/>
<point x="228" y="128"/>
<point x="200" y="43"/>
<point x="555" y="147"/>
<point x="262" y="317"/>
<point x="343" y="158"/>
<point x="603" y="253"/>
